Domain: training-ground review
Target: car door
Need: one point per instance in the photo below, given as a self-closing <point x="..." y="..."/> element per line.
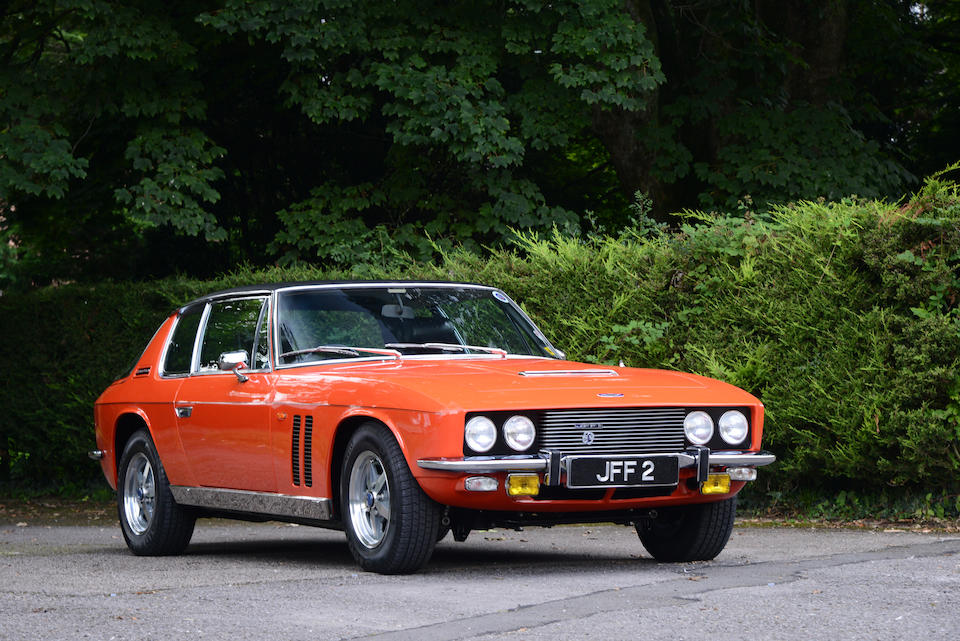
<point x="223" y="415"/>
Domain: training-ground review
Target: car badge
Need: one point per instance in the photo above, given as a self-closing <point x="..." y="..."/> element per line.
<point x="610" y="395"/>
<point x="588" y="438"/>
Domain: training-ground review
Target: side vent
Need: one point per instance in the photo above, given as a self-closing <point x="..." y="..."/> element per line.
<point x="308" y="451"/>
<point x="143" y="371"/>
<point x="295" y="450"/>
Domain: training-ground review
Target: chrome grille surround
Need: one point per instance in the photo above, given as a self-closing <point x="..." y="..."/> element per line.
<point x="613" y="430"/>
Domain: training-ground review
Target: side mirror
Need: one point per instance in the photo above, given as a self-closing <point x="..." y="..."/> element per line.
<point x="234" y="362"/>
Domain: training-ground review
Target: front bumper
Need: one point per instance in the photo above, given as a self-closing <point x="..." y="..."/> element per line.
<point x="553" y="463"/>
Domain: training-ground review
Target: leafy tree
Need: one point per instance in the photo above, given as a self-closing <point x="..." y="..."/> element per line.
<point x="141" y="138"/>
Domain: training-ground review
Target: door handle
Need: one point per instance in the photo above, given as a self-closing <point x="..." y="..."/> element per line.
<point x="184" y="411"/>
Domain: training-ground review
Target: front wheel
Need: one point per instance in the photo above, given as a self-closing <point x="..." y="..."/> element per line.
<point x="152" y="522"/>
<point x="391" y="525"/>
<point x="688" y="532"/>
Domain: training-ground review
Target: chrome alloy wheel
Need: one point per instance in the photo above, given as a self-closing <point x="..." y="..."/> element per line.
<point x="369" y="498"/>
<point x="139" y="494"/>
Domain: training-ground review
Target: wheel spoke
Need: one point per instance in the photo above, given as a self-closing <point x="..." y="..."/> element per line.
<point x="369" y="499"/>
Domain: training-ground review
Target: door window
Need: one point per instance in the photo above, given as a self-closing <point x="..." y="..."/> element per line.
<point x="233" y="326"/>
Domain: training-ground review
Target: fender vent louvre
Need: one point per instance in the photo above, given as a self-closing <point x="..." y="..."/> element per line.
<point x="308" y="451"/>
<point x="295" y="450"/>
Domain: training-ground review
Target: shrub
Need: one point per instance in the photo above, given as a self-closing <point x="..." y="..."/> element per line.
<point x="841" y="317"/>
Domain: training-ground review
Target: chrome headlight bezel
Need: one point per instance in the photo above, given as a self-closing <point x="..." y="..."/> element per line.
<point x="519" y="432"/>
<point x="480" y="434"/>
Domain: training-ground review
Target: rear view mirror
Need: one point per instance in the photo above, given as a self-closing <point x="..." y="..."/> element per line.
<point x="397" y="311"/>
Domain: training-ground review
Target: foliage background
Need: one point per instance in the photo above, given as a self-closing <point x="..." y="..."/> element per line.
<point x="141" y="139"/>
<point x="842" y="317"/>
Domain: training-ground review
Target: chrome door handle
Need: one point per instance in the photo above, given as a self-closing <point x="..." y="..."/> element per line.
<point x="184" y="411"/>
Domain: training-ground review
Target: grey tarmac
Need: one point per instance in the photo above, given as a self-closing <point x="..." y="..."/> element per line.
<point x="280" y="582"/>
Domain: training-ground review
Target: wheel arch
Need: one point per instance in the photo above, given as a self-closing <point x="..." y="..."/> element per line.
<point x="127" y="424"/>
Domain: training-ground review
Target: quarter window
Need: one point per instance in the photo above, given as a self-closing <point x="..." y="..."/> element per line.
<point x="180" y="351"/>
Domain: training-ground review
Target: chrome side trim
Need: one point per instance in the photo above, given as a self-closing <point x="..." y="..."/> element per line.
<point x="96" y="455"/>
<point x="569" y="372"/>
<point x="302" y="507"/>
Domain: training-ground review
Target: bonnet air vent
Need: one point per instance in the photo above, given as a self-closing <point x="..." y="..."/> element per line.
<point x="569" y="372"/>
<point x="295" y="450"/>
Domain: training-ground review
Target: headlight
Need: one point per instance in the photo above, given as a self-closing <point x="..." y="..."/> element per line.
<point x="733" y="427"/>
<point x="698" y="427"/>
<point x="519" y="432"/>
<point x="480" y="434"/>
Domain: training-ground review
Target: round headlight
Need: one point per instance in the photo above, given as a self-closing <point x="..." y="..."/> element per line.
<point x="480" y="433"/>
<point x="519" y="432"/>
<point x="698" y="428"/>
<point x="733" y="427"/>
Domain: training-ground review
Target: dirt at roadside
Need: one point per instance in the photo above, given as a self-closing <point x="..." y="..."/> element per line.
<point x="54" y="511"/>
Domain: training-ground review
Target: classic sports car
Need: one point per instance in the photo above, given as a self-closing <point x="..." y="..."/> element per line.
<point x="404" y="411"/>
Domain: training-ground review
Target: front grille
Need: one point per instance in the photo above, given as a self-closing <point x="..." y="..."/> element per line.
<point x="614" y="430"/>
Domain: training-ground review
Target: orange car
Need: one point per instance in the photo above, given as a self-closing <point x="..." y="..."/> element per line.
<point x="401" y="411"/>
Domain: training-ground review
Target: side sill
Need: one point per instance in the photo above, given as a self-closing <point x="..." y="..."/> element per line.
<point x="279" y="505"/>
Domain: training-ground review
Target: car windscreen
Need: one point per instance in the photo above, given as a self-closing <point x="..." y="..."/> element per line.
<point x="411" y="320"/>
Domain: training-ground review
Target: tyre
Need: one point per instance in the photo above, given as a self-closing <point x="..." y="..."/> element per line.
<point x="688" y="532"/>
<point x="152" y="522"/>
<point x="391" y="525"/>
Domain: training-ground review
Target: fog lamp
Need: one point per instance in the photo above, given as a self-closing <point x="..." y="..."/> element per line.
<point x="523" y="484"/>
<point x="481" y="484"/>
<point x="716" y="484"/>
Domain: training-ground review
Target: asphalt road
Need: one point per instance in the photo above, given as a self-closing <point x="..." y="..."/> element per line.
<point x="281" y="582"/>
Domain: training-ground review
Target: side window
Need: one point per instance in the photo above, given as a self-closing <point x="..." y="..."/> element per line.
<point x="180" y="351"/>
<point x="231" y="327"/>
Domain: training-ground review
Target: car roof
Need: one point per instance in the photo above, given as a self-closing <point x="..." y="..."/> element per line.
<point x="269" y="288"/>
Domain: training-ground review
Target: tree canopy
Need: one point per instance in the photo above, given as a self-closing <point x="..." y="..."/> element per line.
<point x="140" y="138"/>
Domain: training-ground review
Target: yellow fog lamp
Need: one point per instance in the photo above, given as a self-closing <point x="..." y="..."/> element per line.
<point x="523" y="484"/>
<point x="716" y="484"/>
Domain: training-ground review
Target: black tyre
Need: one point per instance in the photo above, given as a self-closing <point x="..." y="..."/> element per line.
<point x="391" y="525"/>
<point x="689" y="532"/>
<point x="152" y="522"/>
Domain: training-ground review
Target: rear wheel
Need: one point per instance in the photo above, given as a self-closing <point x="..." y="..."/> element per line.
<point x="152" y="522"/>
<point x="391" y="525"/>
<point x="688" y="532"/>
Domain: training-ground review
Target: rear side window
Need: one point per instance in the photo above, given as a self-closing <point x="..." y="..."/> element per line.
<point x="180" y="349"/>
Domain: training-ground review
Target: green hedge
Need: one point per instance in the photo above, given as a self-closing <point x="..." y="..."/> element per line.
<point x="842" y="317"/>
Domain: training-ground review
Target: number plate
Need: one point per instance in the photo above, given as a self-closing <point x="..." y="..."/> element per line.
<point x="622" y="471"/>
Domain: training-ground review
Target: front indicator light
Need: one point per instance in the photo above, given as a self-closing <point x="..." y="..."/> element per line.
<point x="523" y="485"/>
<point x="742" y="473"/>
<point x="481" y="484"/>
<point x="716" y="484"/>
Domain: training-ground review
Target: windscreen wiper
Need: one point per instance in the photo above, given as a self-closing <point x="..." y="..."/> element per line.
<point x="344" y="351"/>
<point x="449" y="347"/>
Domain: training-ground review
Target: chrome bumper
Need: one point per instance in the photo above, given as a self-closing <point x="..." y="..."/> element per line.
<point x="702" y="459"/>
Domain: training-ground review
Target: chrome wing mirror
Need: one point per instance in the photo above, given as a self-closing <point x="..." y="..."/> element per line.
<point x="234" y="362"/>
